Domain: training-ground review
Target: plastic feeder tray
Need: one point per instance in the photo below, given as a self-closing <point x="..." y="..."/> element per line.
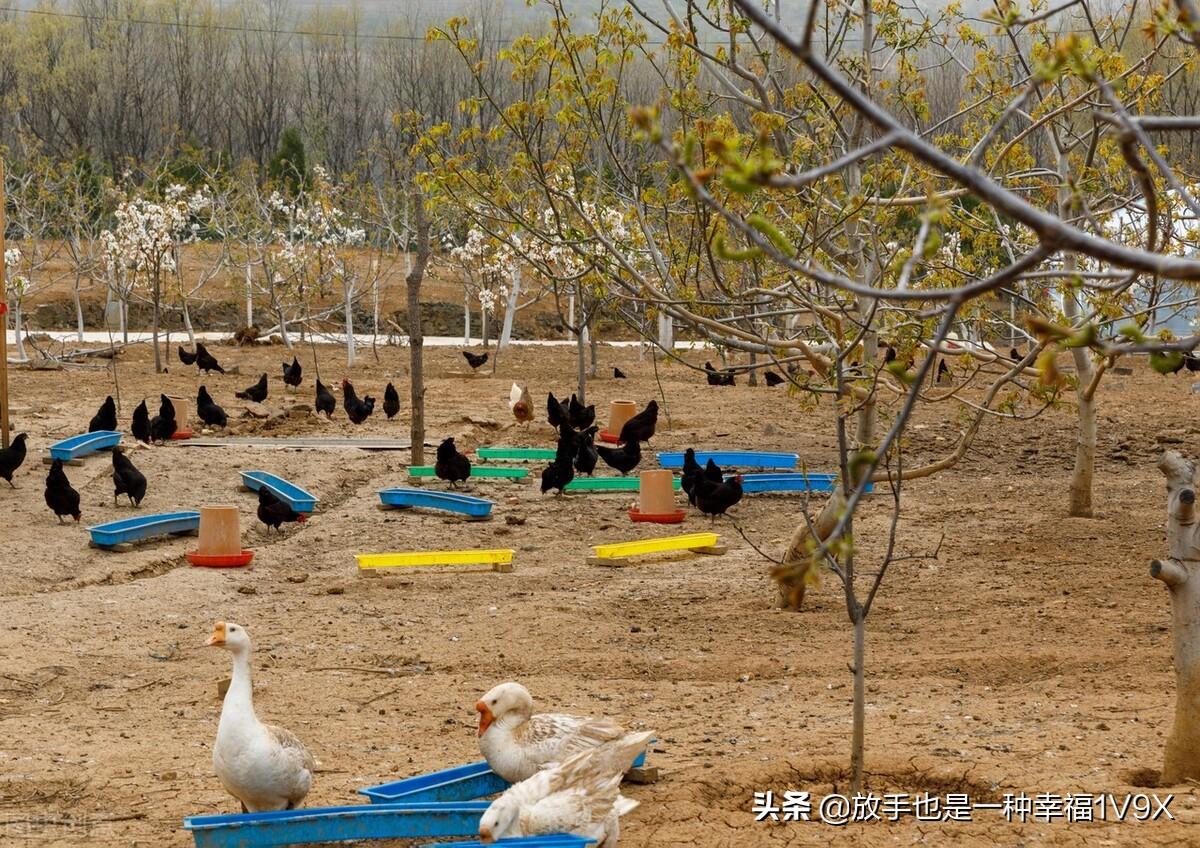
<point x="404" y="496"/>
<point x="608" y="484"/>
<point x="548" y="840"/>
<point x="144" y="527"/>
<point x="735" y="459"/>
<point x="80" y="446"/>
<point x="666" y="544"/>
<point x="500" y="559"/>
<point x="289" y="493"/>
<point x="477" y="471"/>
<point x="336" y="824"/>
<point x="766" y="483"/>
<point x="461" y="783"/>
<point x="498" y="454"/>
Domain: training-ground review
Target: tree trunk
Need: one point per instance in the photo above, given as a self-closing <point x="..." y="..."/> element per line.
<point x="510" y="310"/>
<point x="1181" y="574"/>
<point x="416" y="341"/>
<point x="594" y="345"/>
<point x="124" y="310"/>
<point x="78" y="311"/>
<point x="1085" y="446"/>
<point x="249" y="299"/>
<point x="581" y="362"/>
<point x="187" y="325"/>
<point x="467" y="319"/>
<point x="485" y="328"/>
<point x="859" y="709"/>
<point x="16" y="313"/>
<point x="158" y="367"/>
<point x="347" y="308"/>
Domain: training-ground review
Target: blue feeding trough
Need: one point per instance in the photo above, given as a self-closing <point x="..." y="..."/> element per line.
<point x="336" y="824"/>
<point x="409" y="496"/>
<point x="547" y="840"/>
<point x="461" y="783"/>
<point x="144" y="527"/>
<point x="83" y="444"/>
<point x="735" y="459"/>
<point x="766" y="483"/>
<point x="289" y="493"/>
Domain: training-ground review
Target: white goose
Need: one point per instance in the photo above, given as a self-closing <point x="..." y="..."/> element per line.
<point x="516" y="743"/>
<point x="580" y="796"/>
<point x="263" y="766"/>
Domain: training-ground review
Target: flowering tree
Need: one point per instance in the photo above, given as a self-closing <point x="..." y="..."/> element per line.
<point x="311" y="235"/>
<point x="143" y="248"/>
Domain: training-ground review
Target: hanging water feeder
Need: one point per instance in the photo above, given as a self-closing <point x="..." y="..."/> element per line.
<point x="619" y="411"/>
<point x="656" y="498"/>
<point x="220" y="539"/>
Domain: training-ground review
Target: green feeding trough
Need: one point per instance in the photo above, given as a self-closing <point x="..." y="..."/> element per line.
<point x="608" y="484"/>
<point x="499" y="454"/>
<point x="477" y="472"/>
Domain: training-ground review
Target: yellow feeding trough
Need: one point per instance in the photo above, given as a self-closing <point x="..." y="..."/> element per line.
<point x="618" y="553"/>
<point x="497" y="559"/>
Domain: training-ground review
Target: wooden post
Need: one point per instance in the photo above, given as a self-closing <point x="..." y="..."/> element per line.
<point x="416" y="337"/>
<point x="3" y="319"/>
<point x="1180" y="573"/>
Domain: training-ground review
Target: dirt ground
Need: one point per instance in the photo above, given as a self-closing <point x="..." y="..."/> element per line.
<point x="1033" y="655"/>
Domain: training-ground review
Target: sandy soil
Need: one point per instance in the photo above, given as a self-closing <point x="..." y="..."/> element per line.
<point x="1032" y="656"/>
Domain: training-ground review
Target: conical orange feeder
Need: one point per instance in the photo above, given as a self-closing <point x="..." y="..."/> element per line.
<point x="656" y="498"/>
<point x="183" y="417"/>
<point x="220" y="539"/>
<point x="619" y="412"/>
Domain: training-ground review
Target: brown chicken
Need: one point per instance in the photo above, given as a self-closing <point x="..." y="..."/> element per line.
<point x="521" y="404"/>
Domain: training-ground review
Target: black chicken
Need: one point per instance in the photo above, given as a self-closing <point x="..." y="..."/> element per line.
<point x="256" y="393"/>
<point x="1192" y="362"/>
<point x="693" y="473"/>
<point x="140" y="425"/>
<point x="127" y="480"/>
<point x="585" y="451"/>
<point x="208" y="410"/>
<point x="326" y="402"/>
<point x="773" y="379"/>
<point x="580" y="417"/>
<point x="451" y="465"/>
<point x="105" y="418"/>
<point x="475" y="360"/>
<point x="292" y="373"/>
<point x="556" y="411"/>
<point x="889" y="355"/>
<point x="715" y="499"/>
<point x="12" y="457"/>
<point x="718" y="378"/>
<point x="60" y="497"/>
<point x="357" y="410"/>
<point x="163" y="426"/>
<point x="391" y="401"/>
<point x="273" y="512"/>
<point x="624" y="458"/>
<point x="618" y="374"/>
<point x="204" y="360"/>
<point x="640" y="428"/>
<point x="1015" y="355"/>
<point x="943" y="372"/>
<point x="561" y="471"/>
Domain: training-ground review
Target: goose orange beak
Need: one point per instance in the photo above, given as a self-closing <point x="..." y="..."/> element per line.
<point x="485" y="836"/>
<point x="218" y="635"/>
<point x="485" y="717"/>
